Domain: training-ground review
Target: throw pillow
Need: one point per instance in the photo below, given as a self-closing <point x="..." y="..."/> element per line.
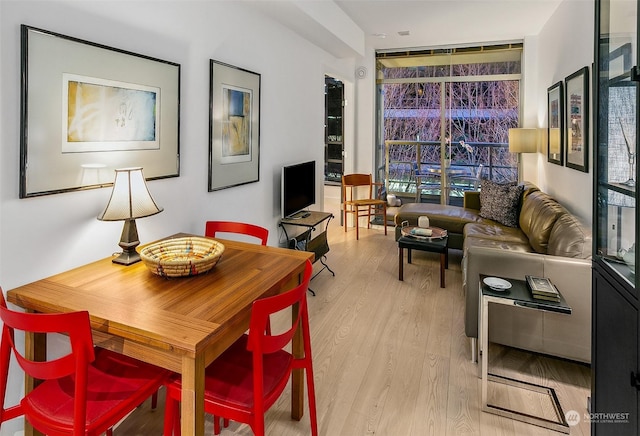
<point x="500" y="202"/>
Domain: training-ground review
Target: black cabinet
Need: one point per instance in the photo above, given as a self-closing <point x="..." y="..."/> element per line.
<point x="615" y="347"/>
<point x="615" y="380"/>
<point x="334" y="131"/>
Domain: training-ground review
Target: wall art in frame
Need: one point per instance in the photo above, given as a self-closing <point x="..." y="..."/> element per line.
<point x="87" y="109"/>
<point x="234" y="126"/>
<point x="576" y="92"/>
<point x="555" y="124"/>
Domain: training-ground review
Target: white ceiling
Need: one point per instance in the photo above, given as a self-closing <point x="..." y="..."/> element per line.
<point x="446" y="22"/>
<point x="430" y="23"/>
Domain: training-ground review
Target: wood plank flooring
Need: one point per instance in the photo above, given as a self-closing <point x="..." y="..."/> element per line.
<point x="391" y="357"/>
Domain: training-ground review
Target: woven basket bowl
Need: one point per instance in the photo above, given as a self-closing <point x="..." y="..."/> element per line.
<point x="182" y="257"/>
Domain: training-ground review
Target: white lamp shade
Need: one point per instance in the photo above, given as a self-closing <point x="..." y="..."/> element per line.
<point x="523" y="140"/>
<point x="130" y="197"/>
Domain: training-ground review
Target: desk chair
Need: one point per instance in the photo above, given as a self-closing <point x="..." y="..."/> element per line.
<point x="214" y="227"/>
<point x="360" y="207"/>
<point x="248" y="378"/>
<point x="86" y="391"/>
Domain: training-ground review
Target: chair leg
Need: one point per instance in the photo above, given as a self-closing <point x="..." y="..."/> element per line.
<point x="154" y="400"/>
<point x="109" y="432"/>
<point x="384" y="218"/>
<point x="171" y="416"/>
<point x="216" y="424"/>
<point x="311" y="392"/>
<point x="345" y="219"/>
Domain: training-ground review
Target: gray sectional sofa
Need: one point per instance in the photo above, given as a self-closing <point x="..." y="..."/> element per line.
<point x="548" y="241"/>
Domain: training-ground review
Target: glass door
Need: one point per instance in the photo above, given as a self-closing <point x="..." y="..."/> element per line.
<point x="444" y="120"/>
<point x="617" y="145"/>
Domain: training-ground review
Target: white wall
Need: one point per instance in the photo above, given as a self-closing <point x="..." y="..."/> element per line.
<point x="565" y="45"/>
<point x="45" y="235"/>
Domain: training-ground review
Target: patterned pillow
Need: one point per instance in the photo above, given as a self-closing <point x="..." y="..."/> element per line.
<point x="500" y="202"/>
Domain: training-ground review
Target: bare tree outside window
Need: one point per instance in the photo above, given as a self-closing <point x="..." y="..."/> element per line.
<point x="478" y="103"/>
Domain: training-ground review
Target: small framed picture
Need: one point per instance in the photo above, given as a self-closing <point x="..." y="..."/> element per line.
<point x="555" y="124"/>
<point x="577" y="120"/>
<point x="234" y="126"/>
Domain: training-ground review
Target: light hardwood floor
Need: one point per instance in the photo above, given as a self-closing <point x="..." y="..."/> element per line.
<point x="391" y="357"/>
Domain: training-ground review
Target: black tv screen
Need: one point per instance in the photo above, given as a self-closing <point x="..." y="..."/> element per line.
<point x="298" y="187"/>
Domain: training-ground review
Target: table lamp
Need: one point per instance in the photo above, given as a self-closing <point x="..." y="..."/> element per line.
<point x="130" y="199"/>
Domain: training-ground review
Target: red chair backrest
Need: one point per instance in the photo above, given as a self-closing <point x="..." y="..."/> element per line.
<point x="260" y="340"/>
<point x="76" y="325"/>
<point x="213" y="227"/>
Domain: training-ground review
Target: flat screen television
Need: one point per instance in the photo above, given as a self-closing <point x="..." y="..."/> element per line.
<point x="298" y="189"/>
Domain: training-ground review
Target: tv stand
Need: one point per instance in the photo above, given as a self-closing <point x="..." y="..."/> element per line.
<point x="305" y="241"/>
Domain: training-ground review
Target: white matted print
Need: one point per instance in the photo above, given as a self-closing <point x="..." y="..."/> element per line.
<point x="108" y="115"/>
<point x="234" y="126"/>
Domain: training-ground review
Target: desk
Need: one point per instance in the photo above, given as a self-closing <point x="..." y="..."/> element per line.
<point x="520" y="296"/>
<point x="181" y="324"/>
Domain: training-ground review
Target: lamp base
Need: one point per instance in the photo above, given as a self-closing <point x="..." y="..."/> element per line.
<point x="128" y="242"/>
<point x="127" y="258"/>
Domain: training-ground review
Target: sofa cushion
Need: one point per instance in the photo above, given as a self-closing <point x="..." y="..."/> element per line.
<point x="537" y="217"/>
<point x="569" y="238"/>
<point x="500" y="202"/>
<point x="496" y="232"/>
<point x="501" y="244"/>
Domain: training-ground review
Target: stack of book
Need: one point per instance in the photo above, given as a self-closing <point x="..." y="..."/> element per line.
<point x="542" y="288"/>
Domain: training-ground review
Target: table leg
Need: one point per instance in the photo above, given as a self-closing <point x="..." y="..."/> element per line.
<point x="400" y="263"/>
<point x="408" y="255"/>
<point x="442" y="266"/>
<point x="484" y="346"/>
<point x="192" y="404"/>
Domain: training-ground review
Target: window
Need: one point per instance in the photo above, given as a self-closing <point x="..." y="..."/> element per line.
<point x="447" y="109"/>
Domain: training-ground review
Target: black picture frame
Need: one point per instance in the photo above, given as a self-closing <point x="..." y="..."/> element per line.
<point x="55" y="154"/>
<point x="576" y="135"/>
<point x="234" y="126"/>
<point x="555" y="123"/>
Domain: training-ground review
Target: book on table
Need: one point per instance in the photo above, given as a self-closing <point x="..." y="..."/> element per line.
<point x="542" y="289"/>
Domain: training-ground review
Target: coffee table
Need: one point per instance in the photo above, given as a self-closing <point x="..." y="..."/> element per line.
<point x="435" y="244"/>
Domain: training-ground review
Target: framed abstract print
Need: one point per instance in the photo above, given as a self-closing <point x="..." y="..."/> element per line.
<point x="234" y="126"/>
<point x="555" y="124"/>
<point x="83" y="115"/>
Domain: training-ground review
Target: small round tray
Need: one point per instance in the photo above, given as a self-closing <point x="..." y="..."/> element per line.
<point x="182" y="257"/>
<point x="437" y="233"/>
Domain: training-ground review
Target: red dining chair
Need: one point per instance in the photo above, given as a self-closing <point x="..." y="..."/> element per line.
<point x="84" y="392"/>
<point x="214" y="227"/>
<point x="248" y="378"/>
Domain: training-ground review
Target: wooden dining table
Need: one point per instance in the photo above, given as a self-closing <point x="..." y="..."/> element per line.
<point x="181" y="324"/>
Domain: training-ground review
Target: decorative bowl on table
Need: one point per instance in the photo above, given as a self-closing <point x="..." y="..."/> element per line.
<point x="182" y="257"/>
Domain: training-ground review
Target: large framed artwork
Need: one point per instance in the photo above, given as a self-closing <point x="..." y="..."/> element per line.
<point x="234" y="126"/>
<point x="88" y="109"/>
<point x="555" y="124"/>
<point x="577" y="120"/>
